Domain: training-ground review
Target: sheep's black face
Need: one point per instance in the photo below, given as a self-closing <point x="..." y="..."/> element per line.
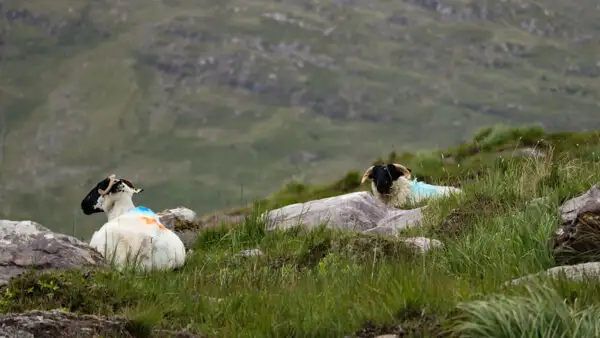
<point x="92" y="202"/>
<point x="383" y="176"/>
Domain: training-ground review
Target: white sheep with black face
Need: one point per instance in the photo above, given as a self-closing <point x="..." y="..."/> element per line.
<point x="133" y="236"/>
<point x="392" y="185"/>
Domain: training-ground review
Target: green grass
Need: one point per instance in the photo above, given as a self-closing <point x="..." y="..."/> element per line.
<point x="491" y="147"/>
<point x="221" y="94"/>
<point x="329" y="283"/>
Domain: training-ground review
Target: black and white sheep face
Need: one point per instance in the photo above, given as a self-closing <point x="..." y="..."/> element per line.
<point x="108" y="188"/>
<point x="384" y="176"/>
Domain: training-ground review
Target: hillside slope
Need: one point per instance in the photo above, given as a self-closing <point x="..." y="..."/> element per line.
<point x="243" y="280"/>
<point x="215" y="103"/>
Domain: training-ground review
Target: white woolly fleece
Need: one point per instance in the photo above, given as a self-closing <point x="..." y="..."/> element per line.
<point x="129" y="240"/>
<point x="399" y="192"/>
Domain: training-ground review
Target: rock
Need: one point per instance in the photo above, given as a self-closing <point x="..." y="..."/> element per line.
<point x="571" y="272"/>
<point x="354" y="211"/>
<point x="423" y="244"/>
<point x="577" y="239"/>
<point x="172" y="219"/>
<point x="59" y="323"/>
<point x="247" y="253"/>
<point x="529" y="152"/>
<point x="170" y="216"/>
<point x="587" y="200"/>
<point x="29" y="245"/>
<point x="397" y="220"/>
<point x="186" y="224"/>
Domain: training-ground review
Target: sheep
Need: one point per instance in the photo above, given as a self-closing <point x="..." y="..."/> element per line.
<point x="392" y="185"/>
<point x="131" y="232"/>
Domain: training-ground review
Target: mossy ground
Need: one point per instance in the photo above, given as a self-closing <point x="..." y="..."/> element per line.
<point x="328" y="283"/>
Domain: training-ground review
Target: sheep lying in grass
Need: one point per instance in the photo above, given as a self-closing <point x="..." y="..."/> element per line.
<point x="133" y="236"/>
<point x="392" y="185"/>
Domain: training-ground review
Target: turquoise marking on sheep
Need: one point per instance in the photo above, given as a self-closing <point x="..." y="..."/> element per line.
<point x="426" y="190"/>
<point x="143" y="211"/>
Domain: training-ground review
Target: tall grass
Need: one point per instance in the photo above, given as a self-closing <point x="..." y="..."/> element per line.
<point x="543" y="312"/>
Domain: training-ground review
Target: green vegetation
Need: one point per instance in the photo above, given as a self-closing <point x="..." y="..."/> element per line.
<point x="212" y="104"/>
<point x="491" y="147"/>
<point x="325" y="282"/>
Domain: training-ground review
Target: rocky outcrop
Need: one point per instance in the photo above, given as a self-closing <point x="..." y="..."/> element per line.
<point x="577" y="239"/>
<point x="176" y="220"/>
<point x="59" y="323"/>
<point x="28" y="245"/>
<point x="576" y="272"/>
<point x="422" y="244"/>
<point x="358" y="211"/>
<point x="576" y="242"/>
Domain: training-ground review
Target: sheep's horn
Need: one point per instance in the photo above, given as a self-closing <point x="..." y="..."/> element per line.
<point x="366" y="174"/>
<point x="111" y="182"/>
<point x="403" y="169"/>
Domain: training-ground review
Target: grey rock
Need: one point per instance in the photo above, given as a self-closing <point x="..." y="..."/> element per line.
<point x="577" y="239"/>
<point x="384" y="231"/>
<point x="179" y="213"/>
<point x="397" y="219"/>
<point x="28" y="245"/>
<point x="575" y="272"/>
<point x="574" y="206"/>
<point x="170" y="217"/>
<point x="530" y="152"/>
<point x="57" y="323"/>
<point x="423" y="244"/>
<point x="358" y="211"/>
<point x="251" y="252"/>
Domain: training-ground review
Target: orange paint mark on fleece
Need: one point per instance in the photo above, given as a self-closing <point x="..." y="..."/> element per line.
<point x="152" y="221"/>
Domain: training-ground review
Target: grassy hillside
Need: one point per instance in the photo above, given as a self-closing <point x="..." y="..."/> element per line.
<point x="490" y="148"/>
<point x="325" y="283"/>
<point x="215" y="103"/>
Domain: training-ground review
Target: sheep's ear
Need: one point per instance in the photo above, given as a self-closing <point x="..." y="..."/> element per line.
<point x="367" y="174"/>
<point x="404" y="170"/>
<point x="137" y="191"/>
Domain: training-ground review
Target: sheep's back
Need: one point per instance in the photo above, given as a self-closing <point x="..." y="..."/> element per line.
<point x="141" y="232"/>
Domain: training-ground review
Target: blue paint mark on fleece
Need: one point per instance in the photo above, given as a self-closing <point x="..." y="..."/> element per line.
<point x="424" y="189"/>
<point x="143" y="211"/>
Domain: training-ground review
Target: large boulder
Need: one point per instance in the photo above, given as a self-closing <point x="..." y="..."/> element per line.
<point x="59" y="323"/>
<point x="177" y="220"/>
<point x="26" y="245"/>
<point x="358" y="211"/>
<point x="590" y="200"/>
<point x="577" y="239"/>
<point x="577" y="272"/>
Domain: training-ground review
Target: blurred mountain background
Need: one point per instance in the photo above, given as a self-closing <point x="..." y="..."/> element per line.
<point x="211" y="104"/>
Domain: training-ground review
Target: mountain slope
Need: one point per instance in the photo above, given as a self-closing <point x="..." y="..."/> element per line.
<point x="214" y="103"/>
